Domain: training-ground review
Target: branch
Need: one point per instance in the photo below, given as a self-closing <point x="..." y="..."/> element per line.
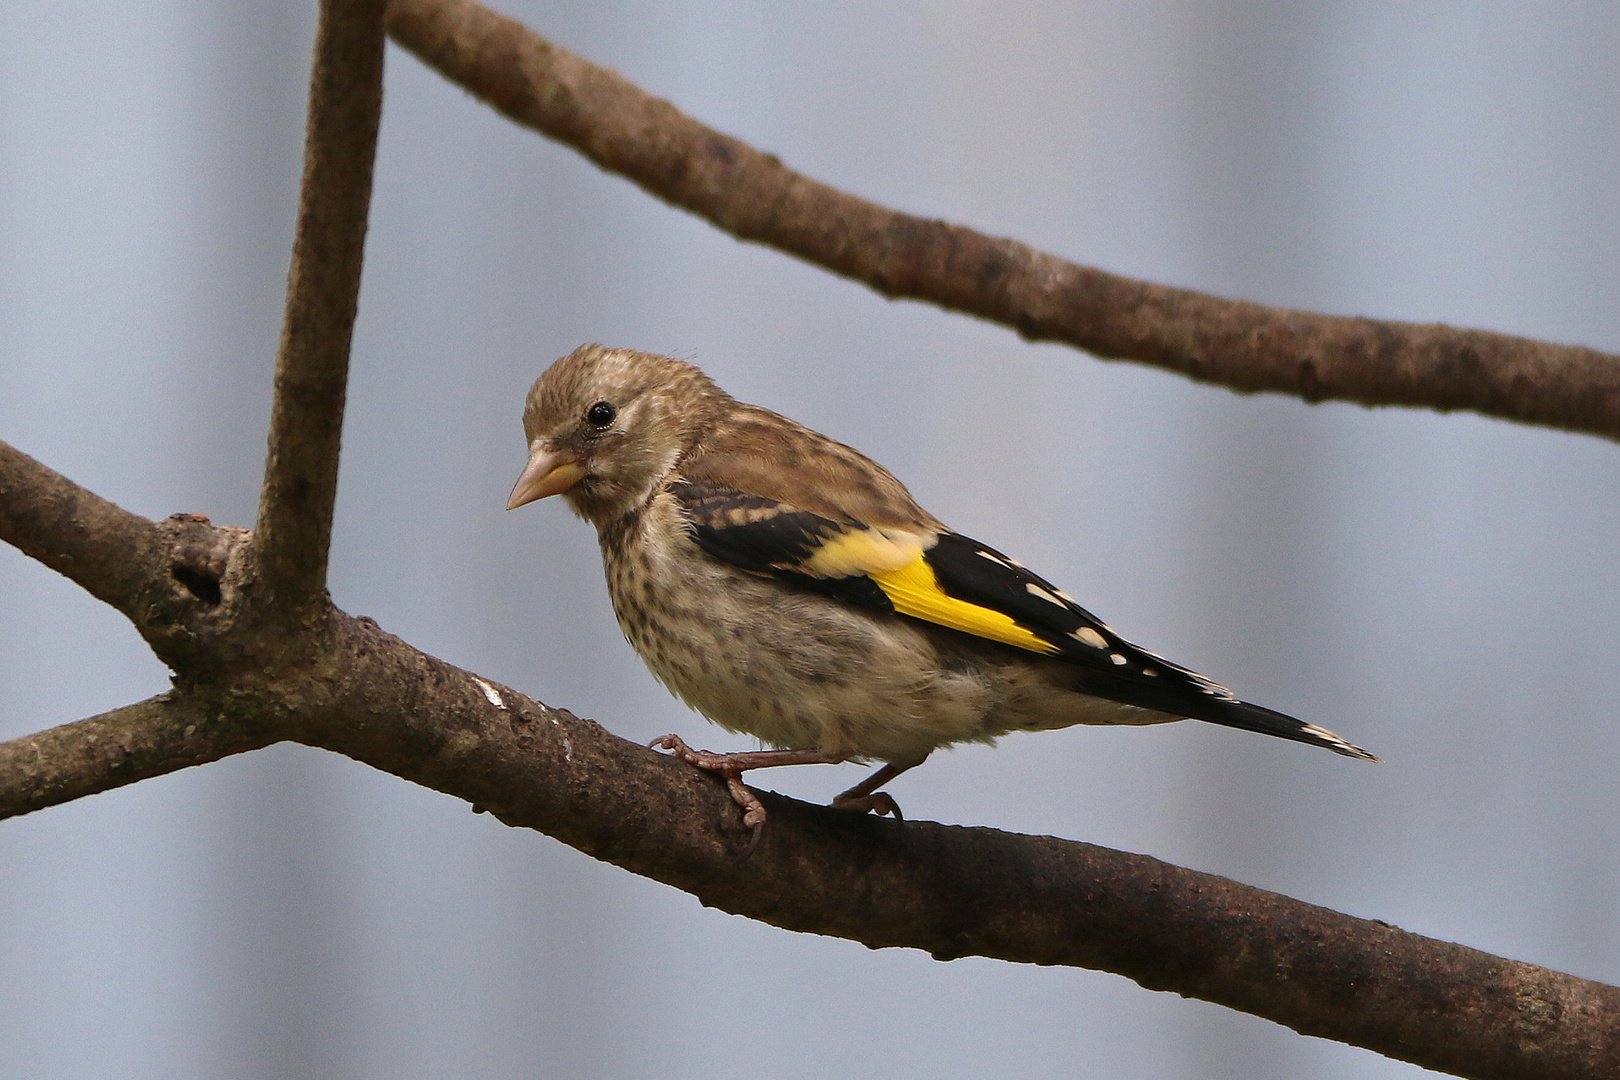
<point x="177" y="580"/>
<point x="954" y="891"/>
<point x="323" y="287"/>
<point x="1233" y="343"/>
<point x="948" y="890"/>
<point x="102" y="547"/>
<point x="150" y="738"/>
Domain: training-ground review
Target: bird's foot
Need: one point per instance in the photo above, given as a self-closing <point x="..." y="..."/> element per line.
<point x="753" y="810"/>
<point x="876" y="802"/>
<point x="865" y="798"/>
<point x="732" y="766"/>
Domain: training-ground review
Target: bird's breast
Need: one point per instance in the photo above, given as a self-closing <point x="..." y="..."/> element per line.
<point x="788" y="666"/>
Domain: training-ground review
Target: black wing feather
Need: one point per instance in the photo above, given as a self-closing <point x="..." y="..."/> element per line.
<point x="767" y="537"/>
<point x="979" y="574"/>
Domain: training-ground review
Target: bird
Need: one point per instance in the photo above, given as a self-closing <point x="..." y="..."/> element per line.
<point x="788" y="587"/>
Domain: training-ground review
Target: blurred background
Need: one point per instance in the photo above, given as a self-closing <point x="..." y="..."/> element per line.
<point x="1441" y="589"/>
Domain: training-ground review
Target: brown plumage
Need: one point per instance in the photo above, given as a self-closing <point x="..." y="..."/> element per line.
<point x="788" y="587"/>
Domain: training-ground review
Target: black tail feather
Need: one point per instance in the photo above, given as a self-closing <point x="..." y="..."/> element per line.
<point x="1240" y="714"/>
<point x="1179" y="692"/>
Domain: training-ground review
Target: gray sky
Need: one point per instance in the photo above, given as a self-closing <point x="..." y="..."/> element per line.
<point x="1442" y="590"/>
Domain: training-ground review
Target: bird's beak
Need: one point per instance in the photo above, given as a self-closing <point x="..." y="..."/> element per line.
<point x="549" y="472"/>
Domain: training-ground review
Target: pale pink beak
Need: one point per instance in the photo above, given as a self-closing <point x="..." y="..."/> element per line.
<point x="549" y="472"/>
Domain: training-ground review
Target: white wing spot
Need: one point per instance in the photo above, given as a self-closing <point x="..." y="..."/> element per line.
<point x="1117" y="658"/>
<point x="493" y="695"/>
<point x="1036" y="590"/>
<point x="1087" y="636"/>
<point x="1150" y="671"/>
<point x="1066" y="598"/>
<point x="993" y="557"/>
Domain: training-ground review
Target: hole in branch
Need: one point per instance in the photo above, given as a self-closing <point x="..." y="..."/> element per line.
<point x="198" y="583"/>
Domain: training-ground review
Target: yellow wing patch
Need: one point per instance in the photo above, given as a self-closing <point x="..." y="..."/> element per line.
<point x="864" y="551"/>
<point x="914" y="590"/>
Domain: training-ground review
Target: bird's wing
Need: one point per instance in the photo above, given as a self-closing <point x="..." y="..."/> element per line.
<point x="935" y="575"/>
<point x="950" y="580"/>
<point x="756" y="451"/>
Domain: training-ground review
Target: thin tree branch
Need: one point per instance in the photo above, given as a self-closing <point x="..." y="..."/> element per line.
<point x="102" y="547"/>
<point x="753" y="196"/>
<point x="150" y="738"/>
<point x="178" y="580"/>
<point x="323" y="287"/>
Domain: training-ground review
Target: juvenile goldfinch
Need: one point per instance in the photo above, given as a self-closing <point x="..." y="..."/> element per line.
<point x="789" y="588"/>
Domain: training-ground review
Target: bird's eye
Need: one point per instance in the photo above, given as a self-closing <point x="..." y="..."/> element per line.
<point x="601" y="414"/>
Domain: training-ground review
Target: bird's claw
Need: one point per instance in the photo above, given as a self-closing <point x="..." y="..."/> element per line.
<point x="728" y="769"/>
<point x="861" y="797"/>
<point x="707" y="760"/>
<point x="878" y="802"/>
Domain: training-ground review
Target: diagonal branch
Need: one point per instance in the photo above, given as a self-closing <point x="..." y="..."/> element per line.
<point x="948" y="890"/>
<point x="954" y="891"/>
<point x="100" y="546"/>
<point x="150" y="738"/>
<point x="753" y="196"/>
<point x="323" y="287"/>
<point x="174" y="579"/>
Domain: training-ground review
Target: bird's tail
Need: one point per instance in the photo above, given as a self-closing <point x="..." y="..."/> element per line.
<point x="1240" y="714"/>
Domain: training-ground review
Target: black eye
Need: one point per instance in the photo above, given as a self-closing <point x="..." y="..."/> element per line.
<point x="601" y="414"/>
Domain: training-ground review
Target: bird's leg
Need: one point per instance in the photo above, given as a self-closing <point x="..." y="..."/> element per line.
<point x="866" y="798"/>
<point x="732" y="766"/>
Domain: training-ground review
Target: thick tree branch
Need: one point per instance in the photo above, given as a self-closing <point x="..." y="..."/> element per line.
<point x="754" y="196"/>
<point x="967" y="891"/>
<point x="150" y="738"/>
<point x="323" y="287"/>
<point x="950" y="891"/>
<point x="243" y="681"/>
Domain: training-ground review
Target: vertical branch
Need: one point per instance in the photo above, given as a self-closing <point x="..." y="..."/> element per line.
<point x="323" y="285"/>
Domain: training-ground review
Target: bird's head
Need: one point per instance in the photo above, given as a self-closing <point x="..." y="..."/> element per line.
<point x="605" y="425"/>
